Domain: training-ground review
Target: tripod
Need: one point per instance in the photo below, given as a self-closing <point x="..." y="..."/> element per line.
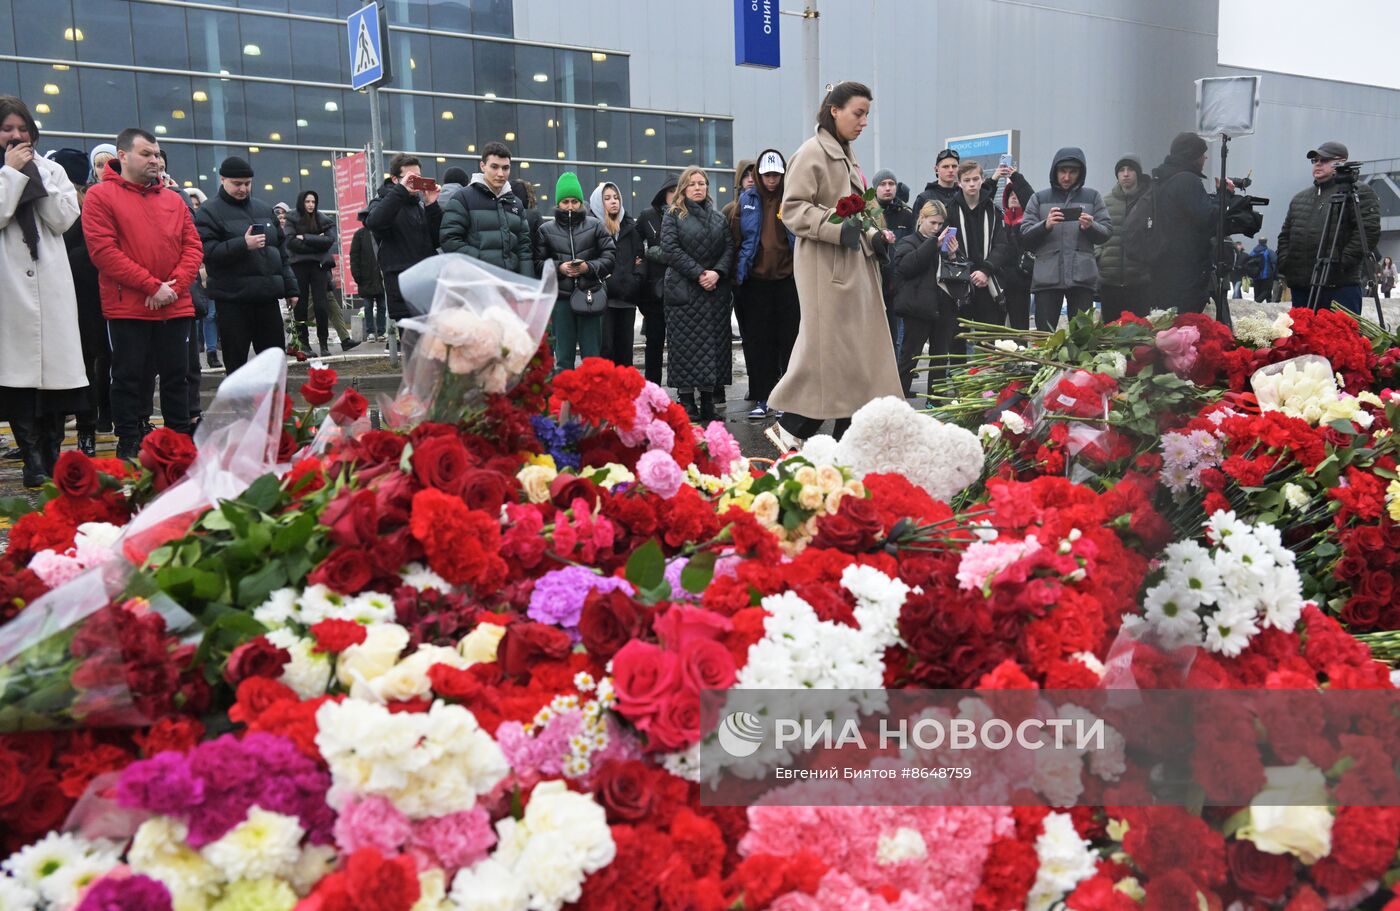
<point x="1344" y="200"/>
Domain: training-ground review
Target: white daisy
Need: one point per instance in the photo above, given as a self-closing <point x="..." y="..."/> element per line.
<point x="1172" y="612"/>
<point x="1228" y="632"/>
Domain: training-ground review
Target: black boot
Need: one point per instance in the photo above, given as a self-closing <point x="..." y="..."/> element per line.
<point x="27" y="436"/>
<point x="707" y="406"/>
<point x="213" y="357"/>
<point x="51" y="433"/>
<point x="87" y="443"/>
<point x="687" y="400"/>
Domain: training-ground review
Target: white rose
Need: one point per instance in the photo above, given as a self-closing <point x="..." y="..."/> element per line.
<point x="766" y="508"/>
<point x="1303" y="831"/>
<point x="535" y="479"/>
<point x="479" y="646"/>
<point x="373" y="657"/>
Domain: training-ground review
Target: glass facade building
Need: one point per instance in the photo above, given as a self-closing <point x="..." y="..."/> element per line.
<point x="268" y="80"/>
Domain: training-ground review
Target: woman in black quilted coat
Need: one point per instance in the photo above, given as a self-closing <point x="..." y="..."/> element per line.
<point x="699" y="250"/>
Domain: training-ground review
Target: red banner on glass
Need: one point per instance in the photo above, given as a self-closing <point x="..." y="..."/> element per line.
<point x="351" y="177"/>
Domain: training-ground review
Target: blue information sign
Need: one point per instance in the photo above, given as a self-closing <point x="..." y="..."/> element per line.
<point x="756" y="33"/>
<point x="366" y="47"/>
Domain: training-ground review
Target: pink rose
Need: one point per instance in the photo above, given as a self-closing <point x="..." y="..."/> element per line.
<point x="644" y="678"/>
<point x="677" y="723"/>
<point x="682" y="623"/>
<point x="660" y="474"/>
<point x="1178" y="345"/>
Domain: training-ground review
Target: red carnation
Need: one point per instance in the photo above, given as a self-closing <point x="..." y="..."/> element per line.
<point x="462" y="545"/>
<point x="337" y="635"/>
<point x="167" y="455"/>
<point x="599" y="392"/>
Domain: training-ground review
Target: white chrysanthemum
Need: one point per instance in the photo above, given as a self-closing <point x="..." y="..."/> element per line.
<point x="264" y="844"/>
<point x="34" y="865"/>
<point x="563" y="837"/>
<point x="64" y="886"/>
<point x="1223" y="525"/>
<point x="686" y="764"/>
<point x="315" y="863"/>
<point x="159" y="851"/>
<point x="375" y="656"/>
<point x="371" y="607"/>
<point x="320" y="602"/>
<point x="1066" y="860"/>
<point x="279" y="609"/>
<point x="16" y="897"/>
<point x="1228" y="633"/>
<point x="1172" y="612"/>
<point x="422" y="578"/>
<point x="309" y="672"/>
<point x="489" y="886"/>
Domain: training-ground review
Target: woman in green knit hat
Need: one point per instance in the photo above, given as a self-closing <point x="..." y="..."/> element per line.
<point x="581" y="249"/>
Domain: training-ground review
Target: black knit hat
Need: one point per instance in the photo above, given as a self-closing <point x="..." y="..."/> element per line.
<point x="235" y="168"/>
<point x="74" y="163"/>
<point x="1188" y="146"/>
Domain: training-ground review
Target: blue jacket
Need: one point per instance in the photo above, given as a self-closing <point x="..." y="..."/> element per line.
<point x="750" y="228"/>
<point x="1270" y="264"/>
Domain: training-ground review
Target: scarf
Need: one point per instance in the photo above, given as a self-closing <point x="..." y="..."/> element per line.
<point x="33" y="191"/>
<point x="1013" y="217"/>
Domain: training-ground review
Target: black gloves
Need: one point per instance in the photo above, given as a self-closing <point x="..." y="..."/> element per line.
<point x="850" y="235"/>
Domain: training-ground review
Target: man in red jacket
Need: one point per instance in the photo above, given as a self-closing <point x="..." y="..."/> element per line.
<point x="147" y="253"/>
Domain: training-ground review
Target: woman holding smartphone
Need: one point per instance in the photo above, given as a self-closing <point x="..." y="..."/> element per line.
<point x="922" y="299"/>
<point x="583" y="252"/>
<point x="843" y="357"/>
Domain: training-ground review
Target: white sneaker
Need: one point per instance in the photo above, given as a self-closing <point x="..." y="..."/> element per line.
<point x="783" y="441"/>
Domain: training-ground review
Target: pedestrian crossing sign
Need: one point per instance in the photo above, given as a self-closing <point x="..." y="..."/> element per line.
<point x="366" y="47"/>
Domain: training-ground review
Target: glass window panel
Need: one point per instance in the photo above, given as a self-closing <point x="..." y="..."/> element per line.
<point x="214" y="43"/>
<point x="266" y="46"/>
<point x="412" y="61"/>
<point x="493" y="121"/>
<point x="43" y="85"/>
<point x="575" y="69"/>
<point x="410" y="122"/>
<point x="346" y="7"/>
<point x="544" y="177"/>
<point x="494" y="68"/>
<point x="318" y="52"/>
<point x="102" y="30"/>
<point x="219" y="110"/>
<point x="158" y="34"/>
<point x="318" y="120"/>
<point x="158" y="98"/>
<point x="269" y="117"/>
<point x="576" y="134"/>
<point x="452" y="64"/>
<point x="610" y="138"/>
<point x="534" y="69"/>
<point x="313" y="174"/>
<point x="493" y="17"/>
<point x="109" y="102"/>
<point x="278" y="5"/>
<point x="682" y="140"/>
<point x="207" y="160"/>
<point x="724" y="142"/>
<point x="7" y="33"/>
<point x="274" y="175"/>
<point x="455" y="121"/>
<point x="451" y="15"/>
<point x="354" y="108"/>
<point x="648" y="138"/>
<point x="46" y="34"/>
<point x="321" y="8"/>
<point x="180" y="162"/>
<point x="408" y="12"/>
<point x="708" y="153"/>
<point x="538" y="136"/>
<point x="610" y="84"/>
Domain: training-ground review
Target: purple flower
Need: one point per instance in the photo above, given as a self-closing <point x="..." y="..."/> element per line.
<point x="559" y="595"/>
<point x="133" y="893"/>
<point x="162" y="784"/>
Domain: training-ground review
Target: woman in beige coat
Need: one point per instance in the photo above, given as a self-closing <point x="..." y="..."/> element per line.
<point x="843" y="356"/>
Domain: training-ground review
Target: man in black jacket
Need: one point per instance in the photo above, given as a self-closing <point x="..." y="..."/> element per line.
<point x="945" y="187"/>
<point x="1302" y="232"/>
<point x="899" y="218"/>
<point x="653" y="313"/>
<point x="405" y="219"/>
<point x="980" y="234"/>
<point x="248" y="270"/>
<point x="485" y="219"/>
<point x="1187" y="215"/>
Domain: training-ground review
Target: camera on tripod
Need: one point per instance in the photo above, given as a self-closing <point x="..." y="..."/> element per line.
<point x="1347" y="173"/>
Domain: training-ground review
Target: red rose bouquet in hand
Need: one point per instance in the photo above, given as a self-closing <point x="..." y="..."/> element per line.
<point x="861" y="207"/>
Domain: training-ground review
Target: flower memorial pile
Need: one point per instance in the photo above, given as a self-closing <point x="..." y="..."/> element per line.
<point x="458" y="664"/>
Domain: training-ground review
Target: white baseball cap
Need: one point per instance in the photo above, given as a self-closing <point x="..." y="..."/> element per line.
<point x="771" y="163"/>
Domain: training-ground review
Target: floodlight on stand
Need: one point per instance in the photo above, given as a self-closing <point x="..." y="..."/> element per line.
<point x="1227" y="105"/>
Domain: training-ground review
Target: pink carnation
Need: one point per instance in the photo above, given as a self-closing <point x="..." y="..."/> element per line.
<point x="982" y="560"/>
<point x="1178" y="345"/>
<point x="724" y="449"/>
<point x="453" y="841"/>
<point x="660" y="473"/>
<point x="54" y="568"/>
<point x="371" y="822"/>
<point x="661" y="436"/>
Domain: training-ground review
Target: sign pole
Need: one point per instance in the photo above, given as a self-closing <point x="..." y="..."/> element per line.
<point x="811" y="56"/>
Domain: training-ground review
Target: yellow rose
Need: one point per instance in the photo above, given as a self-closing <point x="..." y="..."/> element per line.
<point x="829" y="478"/>
<point x="810" y="497"/>
<point x="1392" y="500"/>
<point x="535" y="479"/>
<point x="806" y="475"/>
<point x="479" y="646"/>
<point x="766" y="508"/>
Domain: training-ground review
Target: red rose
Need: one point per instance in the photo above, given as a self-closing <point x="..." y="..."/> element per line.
<point x="11" y="778"/>
<point x="287" y="446"/>
<point x="376" y="452"/>
<point x="319" y="386"/>
<point x="625" y="790"/>
<point x="167" y="455"/>
<point x="644" y="678"/>
<point x="527" y="644"/>
<point x="707" y="665"/>
<point x="1266" y="875"/>
<point x="353" y="518"/>
<point x="488" y="491"/>
<point x="677" y="724"/>
<point x="258" y="658"/>
<point x="349" y="408"/>
<point x="565" y="489"/>
<point x="454" y="683"/>
<point x="442" y="462"/>
<point x="75" y="475"/>
<point x="337" y="635"/>
<point x="608" y="622"/>
<point x="347" y="570"/>
<point x="41" y="807"/>
<point x="855" y="528"/>
<point x="847" y="206"/>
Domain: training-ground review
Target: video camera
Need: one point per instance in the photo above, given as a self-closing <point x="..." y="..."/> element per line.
<point x="1347" y="173"/>
<point x="1240" y="217"/>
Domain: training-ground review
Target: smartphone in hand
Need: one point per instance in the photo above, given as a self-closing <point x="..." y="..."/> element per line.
<point x="1072" y="213"/>
<point x="950" y="235"/>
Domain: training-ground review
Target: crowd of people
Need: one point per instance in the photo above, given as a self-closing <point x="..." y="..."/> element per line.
<point x="104" y="249"/>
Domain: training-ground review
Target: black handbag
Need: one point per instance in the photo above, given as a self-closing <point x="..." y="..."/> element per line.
<point x="956" y="276"/>
<point x="586" y="301"/>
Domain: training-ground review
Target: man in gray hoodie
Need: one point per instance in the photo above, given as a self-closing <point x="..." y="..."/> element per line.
<point x="1062" y="225"/>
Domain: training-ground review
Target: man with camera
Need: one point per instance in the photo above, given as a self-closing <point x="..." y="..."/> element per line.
<point x="247" y="266"/>
<point x="1311" y="230"/>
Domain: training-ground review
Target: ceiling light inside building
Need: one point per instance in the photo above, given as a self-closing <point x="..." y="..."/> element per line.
<point x="412" y="64"/>
<point x="441" y="160"/>
<point x="599" y="57"/>
<point x="160" y="129"/>
<point x="301" y="122"/>
<point x="50" y="89"/>
<point x="687" y="151"/>
<point x="524" y="164"/>
<point x="490" y="95"/>
<point x="72" y="34"/>
<point x="602" y="143"/>
<point x="62" y="67"/>
<point x="549" y="123"/>
<point x="275" y="137"/>
<point x="325" y="162"/>
<point x="602" y="170"/>
<point x="267" y="187"/>
<point x="448" y="115"/>
<point x="189" y="183"/>
<point x="305" y="172"/>
<point x="510" y="137"/>
<point x="636" y="177"/>
<point x="541" y="77"/>
<point x="332" y="106"/>
<point x="200" y="95"/>
<point x="252" y="50"/>
<point x="178" y="114"/>
<point x="561" y="154"/>
<point x="253" y="150"/>
<point x="286" y="180"/>
<point x="471" y="148"/>
<point x="602" y="104"/>
<point x="41" y="108"/>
